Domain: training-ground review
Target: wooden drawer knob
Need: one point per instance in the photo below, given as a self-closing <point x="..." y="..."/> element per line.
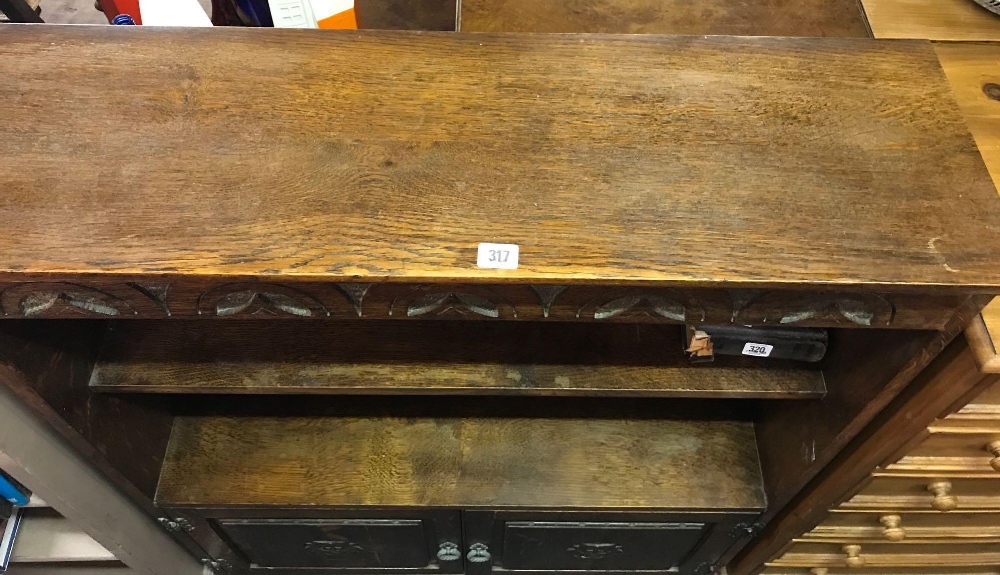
<point x="891" y="528"/>
<point x="993" y="448"/>
<point x="854" y="558"/>
<point x="943" y="499"/>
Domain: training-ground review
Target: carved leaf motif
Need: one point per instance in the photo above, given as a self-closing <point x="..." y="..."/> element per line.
<point x="547" y="295"/>
<point x="667" y="308"/>
<point x="154" y="291"/>
<point x="446" y="300"/>
<point x="89" y="303"/>
<point x="355" y="293"/>
<point x="797" y="316"/>
<point x="659" y="305"/>
<point x="36" y="303"/>
<point x="479" y="305"/>
<point x="40" y="302"/>
<point x="855" y="311"/>
<point x="284" y="303"/>
<point x="235" y="302"/>
<point x="427" y="304"/>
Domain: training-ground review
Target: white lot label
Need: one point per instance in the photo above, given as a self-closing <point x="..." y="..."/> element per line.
<point x="497" y="256"/>
<point x="758" y="349"/>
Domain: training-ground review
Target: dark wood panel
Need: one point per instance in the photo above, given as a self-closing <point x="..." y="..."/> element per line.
<point x="430" y="357"/>
<point x="406" y="14"/>
<point x="505" y="462"/>
<point x="721" y="17"/>
<point x="201" y="298"/>
<point x="49" y="364"/>
<point x="608" y="159"/>
<point x="331" y="543"/>
<point x="593" y="546"/>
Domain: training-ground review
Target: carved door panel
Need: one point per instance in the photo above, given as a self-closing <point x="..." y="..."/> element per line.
<point x="597" y="546"/>
<point x="594" y="542"/>
<point x="340" y="541"/>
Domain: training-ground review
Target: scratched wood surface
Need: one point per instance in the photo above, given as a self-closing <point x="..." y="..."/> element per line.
<point x="719" y="17"/>
<point x="430" y="357"/>
<point x="461" y="462"/>
<point x="952" y="20"/>
<point x="608" y="159"/>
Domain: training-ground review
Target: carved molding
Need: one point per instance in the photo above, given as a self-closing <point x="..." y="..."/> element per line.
<point x="43" y="299"/>
<point x="791" y="308"/>
<point x="462" y="301"/>
<point x="661" y="304"/>
<point x="188" y="298"/>
<point x="259" y="299"/>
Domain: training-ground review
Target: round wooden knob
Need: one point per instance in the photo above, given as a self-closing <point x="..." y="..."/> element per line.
<point x="891" y="528"/>
<point x="854" y="558"/>
<point x="819" y="571"/>
<point x="993" y="448"/>
<point x="943" y="499"/>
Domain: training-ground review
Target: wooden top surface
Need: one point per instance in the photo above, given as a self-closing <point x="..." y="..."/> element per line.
<point x="461" y="462"/>
<point x="960" y="20"/>
<point x="719" y="17"/>
<point x="681" y="160"/>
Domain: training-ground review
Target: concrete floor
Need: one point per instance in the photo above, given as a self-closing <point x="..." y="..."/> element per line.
<point x="83" y="11"/>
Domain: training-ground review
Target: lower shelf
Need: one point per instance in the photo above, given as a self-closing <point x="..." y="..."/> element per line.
<point x="486" y="462"/>
<point x="338" y="494"/>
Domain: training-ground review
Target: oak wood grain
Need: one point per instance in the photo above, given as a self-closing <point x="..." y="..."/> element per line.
<point x="617" y="159"/>
<point x="720" y="17"/>
<point x="955" y="20"/>
<point x="461" y="462"/>
<point x="430" y="357"/>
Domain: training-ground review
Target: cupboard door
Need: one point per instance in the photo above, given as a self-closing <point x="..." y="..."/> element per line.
<point x="341" y="543"/>
<point x="597" y="546"/>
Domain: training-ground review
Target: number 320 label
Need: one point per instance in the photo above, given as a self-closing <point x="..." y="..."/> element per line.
<point x="757" y="349"/>
<point x="497" y="256"/>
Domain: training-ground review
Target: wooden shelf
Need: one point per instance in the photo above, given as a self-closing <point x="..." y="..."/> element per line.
<point x="52" y="538"/>
<point x="461" y="462"/>
<point x="430" y="358"/>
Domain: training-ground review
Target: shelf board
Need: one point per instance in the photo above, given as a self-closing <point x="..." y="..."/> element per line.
<point x="247" y="357"/>
<point x="465" y="462"/>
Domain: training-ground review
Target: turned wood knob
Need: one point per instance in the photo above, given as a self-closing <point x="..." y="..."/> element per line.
<point x="854" y="558"/>
<point x="819" y="571"/>
<point x="943" y="499"/>
<point x="993" y="448"/>
<point x="891" y="528"/>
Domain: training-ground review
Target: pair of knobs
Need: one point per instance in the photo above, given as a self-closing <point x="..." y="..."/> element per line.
<point x="478" y="552"/>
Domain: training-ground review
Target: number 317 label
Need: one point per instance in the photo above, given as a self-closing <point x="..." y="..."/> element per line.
<point x="497" y="256"/>
<point x="758" y="349"/>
